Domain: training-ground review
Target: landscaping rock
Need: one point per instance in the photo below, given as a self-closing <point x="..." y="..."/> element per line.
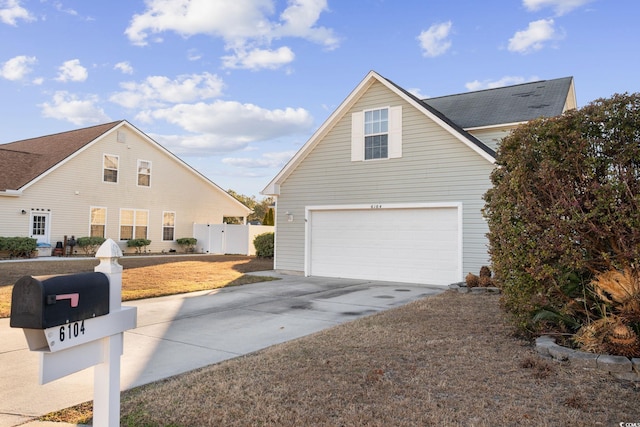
<point x="610" y="363"/>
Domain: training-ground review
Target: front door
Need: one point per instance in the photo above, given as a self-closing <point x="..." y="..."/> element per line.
<point x="40" y="226"/>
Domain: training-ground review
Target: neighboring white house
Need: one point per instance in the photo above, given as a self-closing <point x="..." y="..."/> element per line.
<point x="109" y="180"/>
<point x="390" y="187"/>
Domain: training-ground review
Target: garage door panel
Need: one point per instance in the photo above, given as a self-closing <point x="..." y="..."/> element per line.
<point x="412" y="245"/>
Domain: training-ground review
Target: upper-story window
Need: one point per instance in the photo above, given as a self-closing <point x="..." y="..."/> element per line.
<point x="110" y="168"/>
<point x="376" y="134"/>
<point x="144" y="173"/>
<point x="376" y="137"/>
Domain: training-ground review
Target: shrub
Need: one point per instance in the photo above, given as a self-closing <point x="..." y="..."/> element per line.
<point x="565" y="203"/>
<point x="90" y="245"/>
<point x="472" y="280"/>
<point x="187" y="244"/>
<point x="18" y="247"/>
<point x="264" y="244"/>
<point x="139" y="244"/>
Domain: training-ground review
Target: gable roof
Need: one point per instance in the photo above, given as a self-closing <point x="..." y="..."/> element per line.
<point x="455" y="113"/>
<point x="509" y="104"/>
<point x="456" y="131"/>
<point x="24" y="162"/>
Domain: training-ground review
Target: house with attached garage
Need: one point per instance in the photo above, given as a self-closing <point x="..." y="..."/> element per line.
<point x="109" y="180"/>
<point x="390" y="187"/>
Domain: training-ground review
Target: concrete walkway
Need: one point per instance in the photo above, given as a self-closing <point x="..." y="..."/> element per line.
<point x="180" y="333"/>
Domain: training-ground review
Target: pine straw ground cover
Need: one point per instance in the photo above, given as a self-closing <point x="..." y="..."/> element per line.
<point x="441" y="361"/>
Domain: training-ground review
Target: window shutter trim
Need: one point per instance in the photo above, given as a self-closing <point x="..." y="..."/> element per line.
<point x="395" y="132"/>
<point x="357" y="136"/>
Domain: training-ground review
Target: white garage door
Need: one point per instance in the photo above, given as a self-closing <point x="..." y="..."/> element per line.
<point x="415" y="245"/>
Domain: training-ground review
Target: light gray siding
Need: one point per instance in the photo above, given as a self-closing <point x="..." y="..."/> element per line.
<point x="435" y="167"/>
<point x="491" y="137"/>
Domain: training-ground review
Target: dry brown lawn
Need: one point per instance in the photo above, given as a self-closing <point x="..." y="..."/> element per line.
<point x="145" y="277"/>
<point x="447" y="360"/>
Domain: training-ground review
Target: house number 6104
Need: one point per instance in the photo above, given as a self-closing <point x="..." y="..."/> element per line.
<point x="376" y="206"/>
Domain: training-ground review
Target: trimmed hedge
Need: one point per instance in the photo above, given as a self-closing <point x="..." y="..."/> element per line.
<point x="18" y="247"/>
<point x="188" y="244"/>
<point x="139" y="244"/>
<point x="90" y="245"/>
<point x="264" y="244"/>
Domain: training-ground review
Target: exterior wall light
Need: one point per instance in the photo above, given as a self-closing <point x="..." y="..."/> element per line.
<point x="289" y="216"/>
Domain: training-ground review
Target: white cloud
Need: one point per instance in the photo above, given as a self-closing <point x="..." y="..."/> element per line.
<point x="416" y="92"/>
<point x="124" y="67"/>
<point x="259" y="58"/>
<point x="72" y="71"/>
<point x="560" y="7"/>
<point x="504" y="81"/>
<point x="230" y="119"/>
<point x="434" y="41"/>
<point x="202" y="145"/>
<point x="268" y="160"/>
<point x="244" y="25"/>
<point x="17" y="67"/>
<point x="11" y="11"/>
<point x="80" y="112"/>
<point x="157" y="91"/>
<point x="534" y="37"/>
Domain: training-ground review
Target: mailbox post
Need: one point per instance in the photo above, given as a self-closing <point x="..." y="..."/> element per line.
<point x="75" y="322"/>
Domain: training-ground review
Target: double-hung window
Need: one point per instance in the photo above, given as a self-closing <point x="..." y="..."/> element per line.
<point x="376" y="134"/>
<point x="144" y="173"/>
<point x="168" y="225"/>
<point x="98" y="222"/>
<point x="134" y="224"/>
<point x="110" y="168"/>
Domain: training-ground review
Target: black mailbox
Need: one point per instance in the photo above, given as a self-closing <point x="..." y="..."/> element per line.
<point x="47" y="301"/>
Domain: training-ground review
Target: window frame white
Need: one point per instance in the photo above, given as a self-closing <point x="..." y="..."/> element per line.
<point x="104" y="168"/>
<point x="394" y="132"/>
<point x="173" y="226"/>
<point x="139" y="173"/>
<point x="91" y="223"/>
<point x="134" y="224"/>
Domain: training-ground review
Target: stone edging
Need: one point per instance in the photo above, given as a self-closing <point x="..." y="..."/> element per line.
<point x="620" y="367"/>
<point x="463" y="289"/>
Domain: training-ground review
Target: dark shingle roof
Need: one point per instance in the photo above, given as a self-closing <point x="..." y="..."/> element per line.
<point x="510" y="104"/>
<point x="23" y="161"/>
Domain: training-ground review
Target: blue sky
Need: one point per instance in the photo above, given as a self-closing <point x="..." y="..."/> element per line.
<point x="236" y="87"/>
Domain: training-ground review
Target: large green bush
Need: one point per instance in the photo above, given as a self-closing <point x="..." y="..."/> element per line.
<point x="565" y="205"/>
<point x="18" y="247"/>
<point x="264" y="244"/>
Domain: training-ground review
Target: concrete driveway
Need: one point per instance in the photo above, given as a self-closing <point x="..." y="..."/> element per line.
<point x="180" y="333"/>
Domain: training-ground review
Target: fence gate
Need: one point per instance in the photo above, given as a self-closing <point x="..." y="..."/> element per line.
<point x="228" y="238"/>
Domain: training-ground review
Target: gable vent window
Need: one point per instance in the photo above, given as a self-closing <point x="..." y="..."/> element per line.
<point x="376" y="134"/>
<point x="121" y="136"/>
<point x="110" y="168"/>
<point x="144" y="173"/>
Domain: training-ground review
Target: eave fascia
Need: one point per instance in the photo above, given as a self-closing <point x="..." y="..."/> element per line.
<point x="11" y="193"/>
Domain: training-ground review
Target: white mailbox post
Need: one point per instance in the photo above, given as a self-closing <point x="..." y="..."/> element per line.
<point x="98" y="341"/>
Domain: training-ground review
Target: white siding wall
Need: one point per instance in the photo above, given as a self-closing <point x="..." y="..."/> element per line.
<point x="435" y="167"/>
<point x="69" y="191"/>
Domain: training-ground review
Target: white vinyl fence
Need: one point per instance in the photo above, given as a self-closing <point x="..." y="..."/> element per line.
<point x="228" y="238"/>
